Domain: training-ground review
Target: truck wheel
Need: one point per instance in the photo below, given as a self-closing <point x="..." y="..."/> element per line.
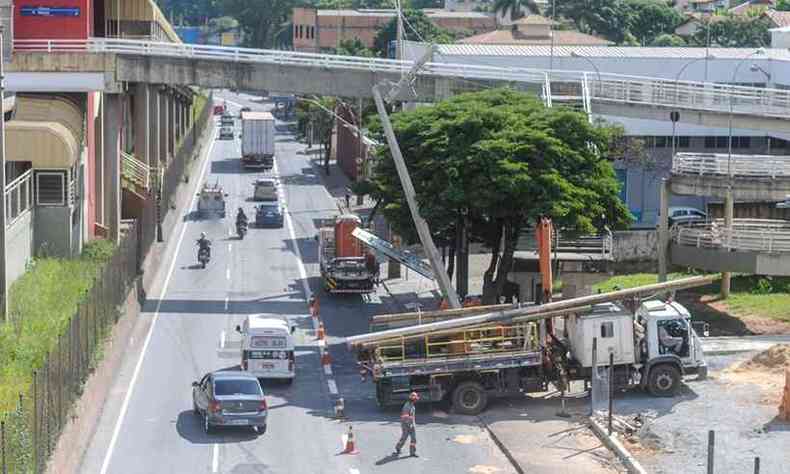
<point x="664" y="380"/>
<point x="469" y="398"/>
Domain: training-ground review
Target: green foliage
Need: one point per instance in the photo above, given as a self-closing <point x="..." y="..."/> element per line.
<point x="735" y="31"/>
<point x="505" y="160"/>
<point x="354" y="47"/>
<point x="41" y="304"/>
<point x="668" y="40"/>
<point x="763" y="287"/>
<point x="191" y="12"/>
<point x="637" y="22"/>
<point x="416" y="21"/>
<point x="782" y="5"/>
<point x="317" y="115"/>
<point x="516" y="8"/>
<point x="261" y="20"/>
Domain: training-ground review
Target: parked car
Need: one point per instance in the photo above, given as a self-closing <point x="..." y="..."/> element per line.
<point x="269" y="214"/>
<point x="230" y="398"/>
<point x="265" y="189"/>
<point x="226" y="133"/>
<point x="685" y="215"/>
<point x="219" y="109"/>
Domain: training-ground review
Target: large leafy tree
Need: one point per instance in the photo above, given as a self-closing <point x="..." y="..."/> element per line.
<point x="516" y="8"/>
<point x="260" y="20"/>
<point x="504" y="160"/>
<point x="736" y="31"/>
<point x="191" y="12"/>
<point x="417" y="27"/>
<point x="315" y="120"/>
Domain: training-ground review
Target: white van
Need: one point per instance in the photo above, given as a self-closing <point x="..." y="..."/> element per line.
<point x="267" y="346"/>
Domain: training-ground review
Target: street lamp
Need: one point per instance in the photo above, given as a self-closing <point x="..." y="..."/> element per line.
<point x="758" y="51"/>
<point x="574" y="54"/>
<point x="677" y="78"/>
<point x="757" y="68"/>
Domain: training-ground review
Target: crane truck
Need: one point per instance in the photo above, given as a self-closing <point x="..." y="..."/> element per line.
<point x="469" y="359"/>
<point x="346" y="266"/>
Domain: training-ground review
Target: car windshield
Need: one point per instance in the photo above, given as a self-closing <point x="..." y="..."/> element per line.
<point x="269" y="208"/>
<point x="236" y="387"/>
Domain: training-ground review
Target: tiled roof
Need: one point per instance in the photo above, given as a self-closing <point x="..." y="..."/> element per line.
<point x="780" y="19"/>
<point x="561" y="37"/>
<point x="603" y="51"/>
<point x="431" y="13"/>
<point x="534" y="20"/>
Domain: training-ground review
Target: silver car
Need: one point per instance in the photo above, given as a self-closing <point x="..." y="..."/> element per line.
<point x="230" y="398"/>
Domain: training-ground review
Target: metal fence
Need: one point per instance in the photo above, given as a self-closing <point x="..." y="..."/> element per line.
<point x="18" y="197"/>
<point x="759" y="235"/>
<point x="30" y="433"/>
<point x="720" y="164"/>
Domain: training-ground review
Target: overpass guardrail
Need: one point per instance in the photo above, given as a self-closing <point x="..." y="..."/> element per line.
<point x="719" y="164"/>
<point x="757" y="235"/>
<point x="602" y="88"/>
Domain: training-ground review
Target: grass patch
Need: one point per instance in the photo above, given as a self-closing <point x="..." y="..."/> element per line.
<point x="750" y="296"/>
<point x="41" y="305"/>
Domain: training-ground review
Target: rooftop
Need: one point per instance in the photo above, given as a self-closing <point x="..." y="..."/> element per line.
<point x="780" y="19"/>
<point x="514" y="38"/>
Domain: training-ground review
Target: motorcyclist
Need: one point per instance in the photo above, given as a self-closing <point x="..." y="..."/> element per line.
<point x="204" y="243"/>
<point x="241" y="217"/>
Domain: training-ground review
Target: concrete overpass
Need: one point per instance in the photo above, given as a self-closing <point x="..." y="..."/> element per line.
<point x="111" y="63"/>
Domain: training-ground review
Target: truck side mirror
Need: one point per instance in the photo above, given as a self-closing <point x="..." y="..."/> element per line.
<point x="195" y="384"/>
<point x="238" y="329"/>
<point x="316" y="238"/>
<point x="293" y="329"/>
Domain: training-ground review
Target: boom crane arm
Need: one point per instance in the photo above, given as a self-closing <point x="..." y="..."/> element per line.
<point x="423" y="231"/>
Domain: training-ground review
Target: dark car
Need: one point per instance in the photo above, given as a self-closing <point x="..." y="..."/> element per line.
<point x="230" y="398"/>
<point x="269" y="214"/>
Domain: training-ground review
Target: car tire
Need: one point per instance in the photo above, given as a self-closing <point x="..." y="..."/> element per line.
<point x="469" y="398"/>
<point x="261" y="429"/>
<point x="663" y="380"/>
<point x="207" y="428"/>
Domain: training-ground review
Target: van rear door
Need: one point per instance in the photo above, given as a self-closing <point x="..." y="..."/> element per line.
<point x="269" y="356"/>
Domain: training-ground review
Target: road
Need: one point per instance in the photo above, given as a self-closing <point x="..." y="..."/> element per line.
<point x="147" y="425"/>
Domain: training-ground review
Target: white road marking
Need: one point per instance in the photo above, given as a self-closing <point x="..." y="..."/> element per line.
<point x="222" y="339"/>
<point x="215" y="459"/>
<point x="226" y="303"/>
<point x="328" y="369"/>
<point x="321" y="343"/>
<point x="230" y="231"/>
<point x="332" y="386"/>
<point x="351" y="470"/>
<point x="292" y="233"/>
<point x="125" y="405"/>
<point x="230" y="247"/>
<point x="227" y="273"/>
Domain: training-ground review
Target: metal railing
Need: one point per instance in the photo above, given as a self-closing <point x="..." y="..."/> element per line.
<point x="135" y="171"/>
<point x="603" y="88"/>
<point x="758" y="235"/>
<point x="718" y="164"/>
<point x="19" y="197"/>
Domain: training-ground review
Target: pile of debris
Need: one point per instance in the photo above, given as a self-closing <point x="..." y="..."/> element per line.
<point x="634" y="429"/>
<point x="765" y="369"/>
<point x="774" y="359"/>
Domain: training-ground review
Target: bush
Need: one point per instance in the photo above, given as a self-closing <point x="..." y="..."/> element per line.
<point x="763" y="287"/>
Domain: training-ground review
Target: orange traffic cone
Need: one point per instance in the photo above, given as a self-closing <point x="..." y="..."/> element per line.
<point x="314" y="306"/>
<point x="350" y="444"/>
<point x="784" y="407"/>
<point x="321" y="333"/>
<point x="326" y="359"/>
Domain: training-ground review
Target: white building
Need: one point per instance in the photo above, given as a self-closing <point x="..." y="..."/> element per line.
<point x="763" y="68"/>
<point x="780" y="37"/>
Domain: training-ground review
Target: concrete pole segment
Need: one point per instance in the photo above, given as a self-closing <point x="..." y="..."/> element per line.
<point x="171" y="113"/>
<point x="163" y="127"/>
<point x="112" y="115"/>
<point x="663" y="230"/>
<point x="729" y="208"/>
<point x="142" y="124"/>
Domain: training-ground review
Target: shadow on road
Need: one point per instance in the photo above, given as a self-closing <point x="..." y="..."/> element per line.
<point x="190" y="427"/>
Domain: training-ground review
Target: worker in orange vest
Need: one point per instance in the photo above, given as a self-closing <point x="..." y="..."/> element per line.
<point x="407" y="425"/>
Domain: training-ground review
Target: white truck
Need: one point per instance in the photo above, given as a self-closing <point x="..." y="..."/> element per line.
<point x="653" y="348"/>
<point x="257" y="140"/>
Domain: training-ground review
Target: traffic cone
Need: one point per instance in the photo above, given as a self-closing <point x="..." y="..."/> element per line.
<point x="326" y="359"/>
<point x="784" y="407"/>
<point x="351" y="447"/>
<point x="314" y="306"/>
<point x="321" y="333"/>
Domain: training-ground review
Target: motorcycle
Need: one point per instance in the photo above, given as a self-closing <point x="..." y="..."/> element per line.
<point x="241" y="229"/>
<point x="203" y="256"/>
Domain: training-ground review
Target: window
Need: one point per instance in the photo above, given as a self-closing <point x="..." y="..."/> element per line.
<point x="710" y="142"/>
<point x="663" y="142"/>
<point x="722" y="142"/>
<point x="607" y="329"/>
<point x="683" y="142"/>
<point x="741" y="142"/>
<point x="778" y="143"/>
<point x="51" y="188"/>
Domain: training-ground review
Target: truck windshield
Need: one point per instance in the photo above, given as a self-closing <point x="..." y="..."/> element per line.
<point x="236" y="387"/>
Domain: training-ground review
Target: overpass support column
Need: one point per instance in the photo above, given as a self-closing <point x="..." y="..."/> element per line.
<point x="184" y="118"/>
<point x="171" y="113"/>
<point x="663" y="229"/>
<point x="111" y="118"/>
<point x="142" y="124"/>
<point x="154" y="155"/>
<point x="164" y="126"/>
<point x="729" y="208"/>
<point x="442" y="88"/>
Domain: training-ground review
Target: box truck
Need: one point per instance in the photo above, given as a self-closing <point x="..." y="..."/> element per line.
<point x="257" y="140"/>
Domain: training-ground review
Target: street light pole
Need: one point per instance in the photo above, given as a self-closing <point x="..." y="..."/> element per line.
<point x="3" y="217"/>
<point x="677" y="79"/>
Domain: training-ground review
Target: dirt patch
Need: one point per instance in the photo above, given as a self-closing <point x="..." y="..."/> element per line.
<point x="765" y="369"/>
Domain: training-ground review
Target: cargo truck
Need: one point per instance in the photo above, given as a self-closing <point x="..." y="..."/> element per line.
<point x="653" y="347"/>
<point x="257" y="140"/>
<point x="346" y="266"/>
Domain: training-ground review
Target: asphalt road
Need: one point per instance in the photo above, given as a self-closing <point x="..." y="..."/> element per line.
<point x="147" y="425"/>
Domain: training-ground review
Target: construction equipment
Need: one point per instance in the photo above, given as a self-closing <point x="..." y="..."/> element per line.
<point x="467" y="359"/>
<point x="346" y="266"/>
<point x="405" y="257"/>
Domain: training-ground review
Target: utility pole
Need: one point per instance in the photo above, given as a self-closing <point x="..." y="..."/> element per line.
<point x="445" y="285"/>
<point x="3" y="265"/>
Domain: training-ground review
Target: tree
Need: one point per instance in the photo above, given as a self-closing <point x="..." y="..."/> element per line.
<point x="667" y="40"/>
<point x="191" y="12"/>
<point x="516" y="8"/>
<point x="415" y="20"/>
<point x="315" y="119"/>
<point x="505" y="160"/>
<point x="736" y="31"/>
<point x="354" y="47"/>
<point x="782" y="5"/>
<point x="260" y="20"/>
<point x="650" y="19"/>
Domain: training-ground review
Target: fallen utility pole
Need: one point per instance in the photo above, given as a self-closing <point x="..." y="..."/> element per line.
<point x="532" y="312"/>
<point x="445" y="285"/>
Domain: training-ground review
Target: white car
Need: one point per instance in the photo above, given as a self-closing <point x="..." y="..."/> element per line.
<point x="266" y="189"/>
<point x="226" y="133"/>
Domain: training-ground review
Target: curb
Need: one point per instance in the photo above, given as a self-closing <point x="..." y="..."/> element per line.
<point x="617" y="448"/>
<point x="502" y="447"/>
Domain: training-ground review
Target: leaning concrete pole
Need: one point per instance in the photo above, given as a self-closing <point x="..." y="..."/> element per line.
<point x="729" y="208"/>
<point x="3" y="265"/>
<point x="663" y="230"/>
<point x="445" y="285"/>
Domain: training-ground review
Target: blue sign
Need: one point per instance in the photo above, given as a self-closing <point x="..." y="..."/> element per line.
<point x="50" y="11"/>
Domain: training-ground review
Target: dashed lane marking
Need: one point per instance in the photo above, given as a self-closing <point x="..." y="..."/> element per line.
<point x="328" y="369"/>
<point x="222" y="335"/>
<point x="332" y="386"/>
<point x="215" y="459"/>
<point x="227" y="273"/>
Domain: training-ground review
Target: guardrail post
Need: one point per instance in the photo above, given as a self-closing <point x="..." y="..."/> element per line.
<point x="2" y="448"/>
